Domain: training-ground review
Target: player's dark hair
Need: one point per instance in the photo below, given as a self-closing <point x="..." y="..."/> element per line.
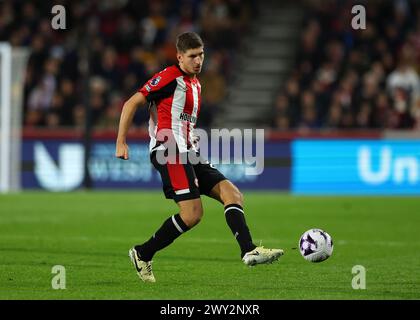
<point x="188" y="40"/>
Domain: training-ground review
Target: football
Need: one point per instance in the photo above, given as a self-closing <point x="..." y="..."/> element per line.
<point x="316" y="245"/>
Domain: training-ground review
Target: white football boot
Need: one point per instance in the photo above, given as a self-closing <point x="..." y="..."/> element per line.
<point x="143" y="268"/>
<point x="261" y="255"/>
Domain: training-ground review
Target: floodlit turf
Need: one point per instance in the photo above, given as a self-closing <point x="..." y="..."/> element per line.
<point x="90" y="234"/>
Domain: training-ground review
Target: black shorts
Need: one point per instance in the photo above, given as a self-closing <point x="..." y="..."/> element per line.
<point x="185" y="181"/>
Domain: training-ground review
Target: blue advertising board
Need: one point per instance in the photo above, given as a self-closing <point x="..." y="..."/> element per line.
<point x="57" y="165"/>
<point x="360" y="167"/>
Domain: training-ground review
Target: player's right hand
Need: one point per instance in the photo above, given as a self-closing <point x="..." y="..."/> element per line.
<point x="121" y="150"/>
<point x="195" y="141"/>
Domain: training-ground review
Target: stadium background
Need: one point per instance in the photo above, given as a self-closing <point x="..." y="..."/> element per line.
<point x="340" y="108"/>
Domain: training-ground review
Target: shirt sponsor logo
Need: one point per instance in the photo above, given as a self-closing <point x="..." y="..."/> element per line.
<point x="187" y="117"/>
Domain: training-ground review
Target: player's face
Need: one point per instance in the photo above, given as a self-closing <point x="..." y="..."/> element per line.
<point x="191" y="61"/>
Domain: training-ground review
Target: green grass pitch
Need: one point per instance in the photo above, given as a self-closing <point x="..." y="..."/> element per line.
<point x="89" y="233"/>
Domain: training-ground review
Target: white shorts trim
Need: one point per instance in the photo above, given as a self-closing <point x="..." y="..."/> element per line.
<point x="182" y="191"/>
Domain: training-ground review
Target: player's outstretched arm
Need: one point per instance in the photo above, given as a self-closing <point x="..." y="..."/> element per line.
<point x="127" y="114"/>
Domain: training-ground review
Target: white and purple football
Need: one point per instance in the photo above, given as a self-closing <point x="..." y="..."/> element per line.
<point x="316" y="245"/>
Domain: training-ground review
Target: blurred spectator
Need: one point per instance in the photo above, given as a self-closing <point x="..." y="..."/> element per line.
<point x="79" y="116"/>
<point x="68" y="94"/>
<point x="41" y="95"/>
<point x="403" y="86"/>
<point x="308" y="112"/>
<point x="216" y="20"/>
<point x="213" y="88"/>
<point x="112" y="113"/>
<point x="282" y="122"/>
<point x="333" y="120"/>
<point x="381" y="112"/>
<point x="52" y="120"/>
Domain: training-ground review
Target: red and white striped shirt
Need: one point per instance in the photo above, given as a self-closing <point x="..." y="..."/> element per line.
<point x="175" y="100"/>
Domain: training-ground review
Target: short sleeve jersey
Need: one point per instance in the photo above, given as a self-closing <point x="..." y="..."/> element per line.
<point x="174" y="99"/>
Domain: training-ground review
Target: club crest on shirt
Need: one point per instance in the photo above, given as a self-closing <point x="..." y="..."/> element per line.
<point x="155" y="81"/>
